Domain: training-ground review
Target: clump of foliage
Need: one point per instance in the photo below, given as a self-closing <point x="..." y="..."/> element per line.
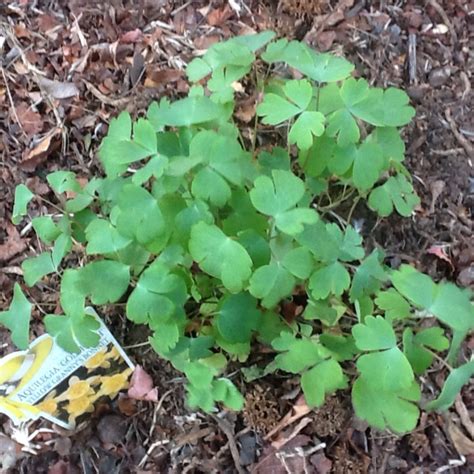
<point x="203" y="236"/>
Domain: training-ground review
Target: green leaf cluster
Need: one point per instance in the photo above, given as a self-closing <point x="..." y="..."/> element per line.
<point x="206" y="238"/>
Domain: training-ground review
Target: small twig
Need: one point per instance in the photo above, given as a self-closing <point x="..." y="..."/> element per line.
<point x="354" y="204"/>
<point x="119" y="102"/>
<point x="136" y="346"/>
<point x="439" y="9"/>
<point x="412" y="58"/>
<point x="467" y="85"/>
<point x="12" y="104"/>
<point x="469" y="149"/>
<point x="451" y="151"/>
<point x="452" y="463"/>
<point x="150" y="450"/>
<point x="224" y="426"/>
<point x="155" y="413"/>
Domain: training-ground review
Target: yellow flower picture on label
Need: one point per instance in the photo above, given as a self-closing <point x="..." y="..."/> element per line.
<point x="112" y="385"/>
<point x="78" y="407"/>
<point x="98" y="361"/>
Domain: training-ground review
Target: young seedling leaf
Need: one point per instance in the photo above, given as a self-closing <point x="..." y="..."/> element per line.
<point x="299" y="262"/>
<point x="332" y="279"/>
<point x="103" y="238"/>
<point x="271" y="283"/>
<point x="72" y="333"/>
<point x="394" y="305"/>
<point x="35" y="268"/>
<point x="220" y="256"/>
<point x="395" y="192"/>
<point x="157" y="296"/>
<point x="62" y="246"/>
<point x="374" y="334"/>
<point x="448" y="303"/>
<point x="452" y="386"/>
<point x="140" y="217"/>
<point x="238" y="317"/>
<point x="22" y="197"/>
<point x="223" y="390"/>
<point x="104" y="281"/>
<point x="386" y="409"/>
<point x="63" y="181"/>
<point x="323" y="379"/>
<point x="387" y="370"/>
<point x="307" y="125"/>
<point x="415" y="347"/>
<point x="277" y="197"/>
<point x="46" y="229"/>
<point x="296" y="354"/>
<point x="369" y="276"/>
<point x="319" y="67"/>
<point x="17" y="318"/>
<point x="275" y="109"/>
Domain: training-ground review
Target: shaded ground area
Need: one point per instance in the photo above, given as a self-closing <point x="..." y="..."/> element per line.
<point x="67" y="67"/>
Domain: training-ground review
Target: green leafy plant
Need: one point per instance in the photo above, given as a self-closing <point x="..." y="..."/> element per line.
<point x="202" y="235"/>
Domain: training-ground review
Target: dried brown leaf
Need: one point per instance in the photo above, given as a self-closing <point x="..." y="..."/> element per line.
<point x="30" y="121"/>
<point x="219" y="16"/>
<point x="462" y="443"/>
<point x="133" y="36"/>
<point x="40" y="151"/>
<point x="141" y="386"/>
<point x="14" y="244"/>
<point x="161" y="77"/>
<point x="322" y="464"/>
<point x="58" y="89"/>
<point x="440" y="252"/>
<point x="299" y="409"/>
<point x="464" y="414"/>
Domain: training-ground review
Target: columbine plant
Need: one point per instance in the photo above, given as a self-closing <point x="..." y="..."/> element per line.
<point x="204" y="239"/>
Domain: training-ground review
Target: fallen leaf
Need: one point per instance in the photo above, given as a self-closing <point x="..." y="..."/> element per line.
<point x="63" y="446"/>
<point x="326" y="39"/>
<point x="58" y="89"/>
<point x="436" y="188"/>
<point x="463" y="413"/>
<point x="59" y="467"/>
<point x="466" y="276"/>
<point x="299" y="409"/>
<point x="126" y="405"/>
<point x="464" y="446"/>
<point x="37" y="186"/>
<point x="40" y="152"/>
<point x="440" y="252"/>
<point x="284" y="461"/>
<point x="205" y="42"/>
<point x="14" y="244"/>
<point x="136" y="70"/>
<point x="161" y="77"/>
<point x="285" y="438"/>
<point x="21" y="31"/>
<point x="141" y="386"/>
<point x="246" y="110"/>
<point x="131" y="36"/>
<point x="218" y="16"/>
<point x="112" y="429"/>
<point x="322" y="464"/>
<point x="30" y="121"/>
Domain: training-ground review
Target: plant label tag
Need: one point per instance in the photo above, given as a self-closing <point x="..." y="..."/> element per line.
<point x="47" y="381"/>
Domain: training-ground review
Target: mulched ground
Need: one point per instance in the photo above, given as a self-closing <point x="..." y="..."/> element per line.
<point x="68" y="67"/>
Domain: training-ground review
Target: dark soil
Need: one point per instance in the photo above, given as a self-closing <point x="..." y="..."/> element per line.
<point x="122" y="55"/>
